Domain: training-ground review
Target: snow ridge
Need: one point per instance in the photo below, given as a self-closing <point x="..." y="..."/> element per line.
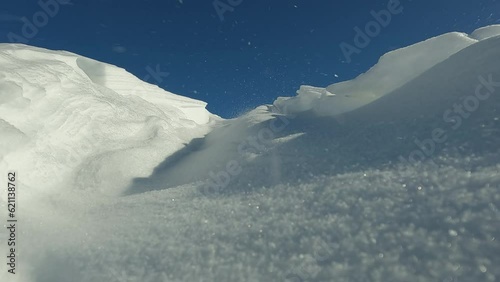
<point x="393" y="70"/>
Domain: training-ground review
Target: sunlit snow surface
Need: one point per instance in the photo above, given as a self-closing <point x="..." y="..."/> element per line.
<point x="393" y="70"/>
<point x="115" y="184"/>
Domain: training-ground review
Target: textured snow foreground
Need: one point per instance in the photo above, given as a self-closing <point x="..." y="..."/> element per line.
<point x="393" y="176"/>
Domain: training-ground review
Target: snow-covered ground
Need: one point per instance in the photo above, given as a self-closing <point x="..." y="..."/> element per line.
<point x="392" y="176"/>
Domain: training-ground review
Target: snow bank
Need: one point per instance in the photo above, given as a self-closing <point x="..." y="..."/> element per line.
<point x="486" y="32"/>
<point x="393" y="70"/>
<point x="64" y="116"/>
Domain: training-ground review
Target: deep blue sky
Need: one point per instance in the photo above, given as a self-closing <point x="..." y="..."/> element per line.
<point x="262" y="50"/>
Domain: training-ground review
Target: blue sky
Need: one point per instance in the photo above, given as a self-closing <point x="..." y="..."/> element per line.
<point x="261" y="50"/>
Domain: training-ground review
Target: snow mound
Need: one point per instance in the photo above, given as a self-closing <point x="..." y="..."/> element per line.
<point x="64" y="116"/>
<point x="486" y="32"/>
<point x="393" y="70"/>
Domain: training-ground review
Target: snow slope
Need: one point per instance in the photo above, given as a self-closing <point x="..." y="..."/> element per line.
<point x="393" y="70"/>
<point x="364" y="191"/>
<point x="73" y="115"/>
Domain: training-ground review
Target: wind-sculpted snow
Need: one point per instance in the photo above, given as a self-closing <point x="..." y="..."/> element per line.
<point x="401" y="186"/>
<point x="79" y="116"/>
<point x="486" y="32"/>
<point x="393" y="70"/>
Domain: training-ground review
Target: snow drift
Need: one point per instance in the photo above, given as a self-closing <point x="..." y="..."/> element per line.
<point x="72" y="115"/>
<point x="393" y="70"/>
<point x="393" y="176"/>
